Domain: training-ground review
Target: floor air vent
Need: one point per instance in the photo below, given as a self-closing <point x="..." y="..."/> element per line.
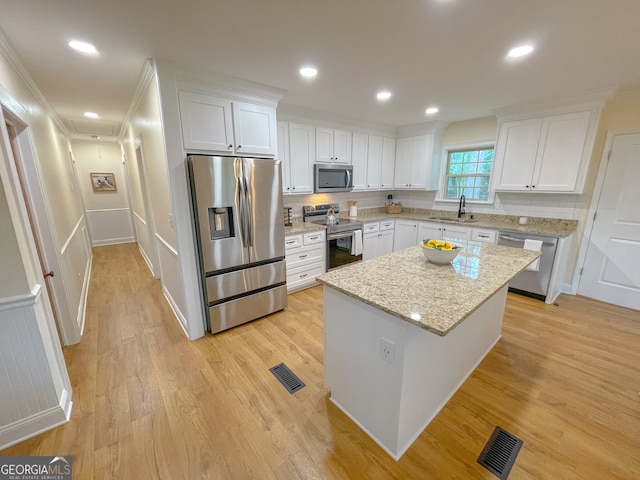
<point x="500" y="452"/>
<point x="287" y="378"/>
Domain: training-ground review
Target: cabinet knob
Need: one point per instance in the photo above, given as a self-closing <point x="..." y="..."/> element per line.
<point x="239" y="147"/>
<point x="230" y="147"/>
<point x="526" y="186"/>
<point x="533" y="186"/>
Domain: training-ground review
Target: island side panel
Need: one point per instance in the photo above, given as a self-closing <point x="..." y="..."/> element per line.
<point x="363" y="385"/>
<point x="435" y="367"/>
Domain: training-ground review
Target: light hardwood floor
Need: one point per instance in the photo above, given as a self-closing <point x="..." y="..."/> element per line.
<point x="150" y="404"/>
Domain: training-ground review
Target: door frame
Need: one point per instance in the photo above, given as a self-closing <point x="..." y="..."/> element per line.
<point x="11" y="111"/>
<point x="595" y="201"/>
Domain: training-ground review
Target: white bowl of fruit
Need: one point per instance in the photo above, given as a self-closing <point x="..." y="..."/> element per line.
<point x="440" y="251"/>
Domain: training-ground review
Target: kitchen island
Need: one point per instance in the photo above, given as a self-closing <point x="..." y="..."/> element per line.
<point x="402" y="334"/>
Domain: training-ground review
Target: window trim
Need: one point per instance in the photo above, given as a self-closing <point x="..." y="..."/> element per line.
<point x="479" y="145"/>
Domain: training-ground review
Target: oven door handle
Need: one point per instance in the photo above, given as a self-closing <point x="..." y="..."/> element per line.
<point x="521" y="240"/>
<point x="336" y="236"/>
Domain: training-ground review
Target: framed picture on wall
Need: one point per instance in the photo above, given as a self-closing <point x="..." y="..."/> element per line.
<point x="103" y="182"/>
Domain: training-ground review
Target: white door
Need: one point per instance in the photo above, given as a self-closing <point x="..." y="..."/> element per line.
<point x="385" y="242"/>
<point x="301" y="153"/>
<point x="359" y="160"/>
<point x="374" y="161"/>
<point x="387" y="169"/>
<point x="283" y="155"/>
<point x="405" y="235"/>
<point x="611" y="271"/>
<point x="206" y="122"/>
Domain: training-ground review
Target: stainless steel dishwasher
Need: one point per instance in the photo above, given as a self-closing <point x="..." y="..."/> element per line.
<point x="532" y="283"/>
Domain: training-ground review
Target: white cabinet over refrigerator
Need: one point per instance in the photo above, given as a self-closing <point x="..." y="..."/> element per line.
<point x="221" y="125"/>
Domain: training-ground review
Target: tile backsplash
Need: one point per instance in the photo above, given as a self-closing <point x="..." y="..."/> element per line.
<point x="543" y="205"/>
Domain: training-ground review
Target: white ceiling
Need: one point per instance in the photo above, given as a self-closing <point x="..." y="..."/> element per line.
<point x="449" y="53"/>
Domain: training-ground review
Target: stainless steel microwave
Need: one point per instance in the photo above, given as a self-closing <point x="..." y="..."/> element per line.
<point x="329" y="177"/>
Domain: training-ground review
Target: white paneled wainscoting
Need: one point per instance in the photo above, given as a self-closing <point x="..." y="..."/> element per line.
<point x="172" y="286"/>
<point x="110" y="226"/>
<point x="35" y="392"/>
<point x="145" y="242"/>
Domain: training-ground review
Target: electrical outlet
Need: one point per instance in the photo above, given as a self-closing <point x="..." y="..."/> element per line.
<point x="387" y="350"/>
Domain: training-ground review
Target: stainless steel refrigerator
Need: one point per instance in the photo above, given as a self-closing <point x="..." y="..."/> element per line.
<point x="237" y="207"/>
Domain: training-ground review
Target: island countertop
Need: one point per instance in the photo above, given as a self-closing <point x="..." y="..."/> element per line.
<point x="433" y="297"/>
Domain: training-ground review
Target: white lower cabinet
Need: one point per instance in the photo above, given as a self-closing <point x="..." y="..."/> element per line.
<point x="484" y="235"/>
<point x="443" y="231"/>
<point x="405" y="235"/>
<point x="305" y="258"/>
<point x="377" y="239"/>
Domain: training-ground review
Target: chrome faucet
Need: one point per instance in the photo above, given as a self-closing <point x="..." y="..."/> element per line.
<point x="461" y="206"/>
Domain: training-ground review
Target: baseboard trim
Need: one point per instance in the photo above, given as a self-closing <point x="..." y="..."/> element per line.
<point x="112" y="241"/>
<point x="36" y="424"/>
<point x="146" y="259"/>
<point x="176" y="311"/>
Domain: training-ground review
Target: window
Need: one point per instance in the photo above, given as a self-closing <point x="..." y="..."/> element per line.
<point x="469" y="173"/>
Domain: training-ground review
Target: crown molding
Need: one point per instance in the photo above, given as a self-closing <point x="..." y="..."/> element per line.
<point x="584" y="101"/>
<point x="147" y="73"/>
<point x="7" y="50"/>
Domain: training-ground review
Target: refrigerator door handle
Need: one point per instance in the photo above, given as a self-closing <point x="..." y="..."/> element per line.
<point x="242" y="222"/>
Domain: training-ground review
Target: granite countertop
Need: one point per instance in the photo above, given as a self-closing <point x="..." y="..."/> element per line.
<point x="536" y="226"/>
<point x="433" y="297"/>
<point x="302" y="227"/>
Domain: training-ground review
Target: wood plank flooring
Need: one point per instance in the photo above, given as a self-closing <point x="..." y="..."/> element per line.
<point x="149" y="404"/>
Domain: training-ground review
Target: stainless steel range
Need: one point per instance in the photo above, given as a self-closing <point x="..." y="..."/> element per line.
<point x="344" y="236"/>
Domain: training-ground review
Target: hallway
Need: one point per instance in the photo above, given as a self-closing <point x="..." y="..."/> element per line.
<point x="149" y="404"/>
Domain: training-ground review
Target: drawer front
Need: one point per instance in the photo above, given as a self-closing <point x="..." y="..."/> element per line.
<point x="370" y="228"/>
<point x="305" y="256"/>
<point x="313" y="238"/>
<point x="387" y="225"/>
<point x="301" y="277"/>
<point x="487" y="236"/>
<point x="292" y="241"/>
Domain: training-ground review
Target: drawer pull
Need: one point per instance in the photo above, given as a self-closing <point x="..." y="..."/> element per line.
<point x="483" y="236"/>
<point x="304" y="275"/>
<point x="314" y="238"/>
<point x="290" y="242"/>
<point x="302" y="256"/>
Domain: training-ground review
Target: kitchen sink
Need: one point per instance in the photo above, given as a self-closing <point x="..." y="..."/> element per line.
<point x="453" y="220"/>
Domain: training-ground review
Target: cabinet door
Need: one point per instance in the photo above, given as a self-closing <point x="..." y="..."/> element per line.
<point x="429" y="231"/>
<point x="301" y="155"/>
<point x="420" y="161"/>
<point x="254" y="128"/>
<point x="456" y="233"/>
<point x="385" y="242"/>
<point x="405" y="235"/>
<point x="404" y="152"/>
<point x="283" y="155"/>
<point x="560" y="152"/>
<point x="369" y="246"/>
<point x="342" y="146"/>
<point x="516" y="154"/>
<point x="374" y="161"/>
<point x="206" y="122"/>
<point x="359" y="160"/>
<point x="324" y="145"/>
<point x="387" y="168"/>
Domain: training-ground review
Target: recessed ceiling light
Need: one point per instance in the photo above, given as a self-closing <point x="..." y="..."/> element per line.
<point x="431" y="110"/>
<point x="384" y="95"/>
<point x="520" y="51"/>
<point x="308" y="72"/>
<point x="91" y="115"/>
<point x="83" y="47"/>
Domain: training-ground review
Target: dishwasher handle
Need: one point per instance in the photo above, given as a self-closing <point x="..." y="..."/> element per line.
<point x="521" y="240"/>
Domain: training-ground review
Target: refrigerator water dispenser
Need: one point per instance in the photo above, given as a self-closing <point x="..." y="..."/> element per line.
<point x="221" y="222"/>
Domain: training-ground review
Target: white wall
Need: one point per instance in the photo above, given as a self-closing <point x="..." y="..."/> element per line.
<point x="36" y="391"/>
<point x="154" y="230"/>
<point x="107" y="212"/>
<point x="10" y="258"/>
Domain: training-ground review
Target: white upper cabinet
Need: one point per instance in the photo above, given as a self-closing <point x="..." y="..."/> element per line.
<point x="359" y="160"/>
<point x="380" y="163"/>
<point x="224" y="126"/>
<point x="544" y="154"/>
<point x="301" y="154"/>
<point x="415" y="163"/>
<point x="333" y="146"/>
<point x="283" y="155"/>
<point x="388" y="167"/>
<point x="374" y="162"/>
<point x="254" y="128"/>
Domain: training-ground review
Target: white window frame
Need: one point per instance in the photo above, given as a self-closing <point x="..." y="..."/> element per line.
<point x="444" y="158"/>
